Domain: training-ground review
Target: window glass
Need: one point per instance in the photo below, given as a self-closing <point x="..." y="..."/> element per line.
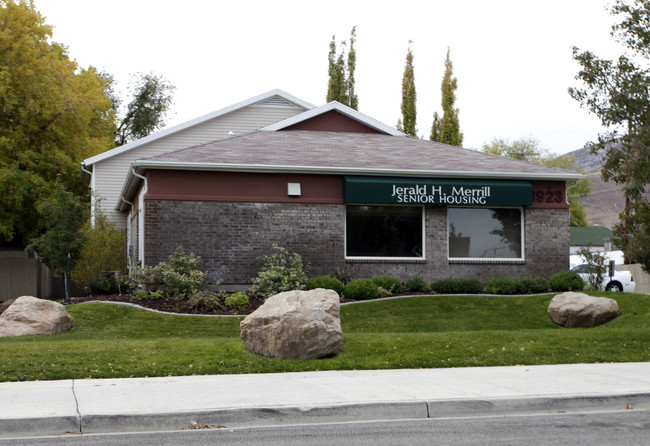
<point x="485" y="233"/>
<point x="383" y="231"/>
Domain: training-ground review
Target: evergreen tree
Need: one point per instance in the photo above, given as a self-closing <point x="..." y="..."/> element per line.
<point x="341" y="83"/>
<point x="407" y="124"/>
<point x="447" y="129"/>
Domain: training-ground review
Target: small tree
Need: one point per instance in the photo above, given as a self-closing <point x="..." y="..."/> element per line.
<point x="596" y="267"/>
<point x="282" y="271"/>
<point x="102" y="252"/>
<point x="447" y="128"/>
<point x="60" y="245"/>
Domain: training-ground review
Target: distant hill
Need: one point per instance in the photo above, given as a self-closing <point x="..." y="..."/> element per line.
<point x="606" y="200"/>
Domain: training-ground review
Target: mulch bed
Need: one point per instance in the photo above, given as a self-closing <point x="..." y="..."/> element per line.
<point x="171" y="305"/>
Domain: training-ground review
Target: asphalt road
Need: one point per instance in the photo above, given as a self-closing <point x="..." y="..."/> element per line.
<point x="623" y="427"/>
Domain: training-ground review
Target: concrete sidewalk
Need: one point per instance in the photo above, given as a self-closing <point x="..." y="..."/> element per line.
<point x="144" y="404"/>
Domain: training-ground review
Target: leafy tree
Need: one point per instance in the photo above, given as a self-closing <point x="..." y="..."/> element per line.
<point x="447" y="128"/>
<point x="60" y="245"/>
<point x="341" y="83"/>
<point x="618" y="92"/>
<point x="528" y="149"/>
<point x="596" y="266"/>
<point x="52" y="115"/>
<point x="407" y="123"/>
<point x="145" y="113"/>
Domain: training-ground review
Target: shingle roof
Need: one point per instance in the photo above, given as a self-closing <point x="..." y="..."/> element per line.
<point x="314" y="150"/>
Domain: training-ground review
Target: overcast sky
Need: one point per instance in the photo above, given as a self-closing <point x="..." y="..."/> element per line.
<point x="512" y="58"/>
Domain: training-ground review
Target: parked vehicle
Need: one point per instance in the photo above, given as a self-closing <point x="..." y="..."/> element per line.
<point x="622" y="280"/>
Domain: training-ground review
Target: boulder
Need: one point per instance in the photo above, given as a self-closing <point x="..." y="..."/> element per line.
<point x="295" y="325"/>
<point x="31" y="316"/>
<point x="579" y="310"/>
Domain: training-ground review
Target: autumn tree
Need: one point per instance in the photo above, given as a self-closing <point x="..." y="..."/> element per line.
<point x="447" y="129"/>
<point x="151" y="100"/>
<point x="407" y="123"/>
<point x="618" y="92"/>
<point x="53" y="114"/>
<point x="341" y="80"/>
<point x="528" y="149"/>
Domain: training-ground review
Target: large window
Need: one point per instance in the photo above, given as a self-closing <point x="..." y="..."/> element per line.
<point x="384" y="231"/>
<point x="485" y="233"/>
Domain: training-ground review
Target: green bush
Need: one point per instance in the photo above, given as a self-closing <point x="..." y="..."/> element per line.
<point x="533" y="285"/>
<point x="501" y="285"/>
<point x="361" y="289"/>
<point x="457" y="286"/>
<point x="101" y="254"/>
<point x="282" y="271"/>
<point x="566" y="281"/>
<point x="328" y="282"/>
<point x="237" y="300"/>
<point x="388" y="283"/>
<point x="206" y="301"/>
<point x="147" y="295"/>
<point x="416" y="285"/>
<point x="469" y="286"/>
<point x="444" y="286"/>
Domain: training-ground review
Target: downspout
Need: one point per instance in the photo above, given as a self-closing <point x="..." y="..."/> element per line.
<point x="129" y="235"/>
<point x="142" y="215"/>
<point x="92" y="194"/>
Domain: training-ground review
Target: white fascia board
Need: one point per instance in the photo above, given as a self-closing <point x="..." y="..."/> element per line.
<point x="177" y="128"/>
<point x="337" y="106"/>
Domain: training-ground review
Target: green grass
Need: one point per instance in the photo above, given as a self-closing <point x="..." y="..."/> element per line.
<point x="428" y="331"/>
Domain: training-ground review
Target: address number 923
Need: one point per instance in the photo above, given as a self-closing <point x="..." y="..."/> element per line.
<point x="548" y="196"/>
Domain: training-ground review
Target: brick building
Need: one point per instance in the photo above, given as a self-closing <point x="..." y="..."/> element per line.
<point x="354" y="197"/>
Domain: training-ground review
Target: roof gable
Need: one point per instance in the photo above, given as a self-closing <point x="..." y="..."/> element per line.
<point x="336" y="117"/>
<point x="273" y="98"/>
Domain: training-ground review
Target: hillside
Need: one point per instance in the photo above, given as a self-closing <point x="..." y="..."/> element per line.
<point x="606" y="200"/>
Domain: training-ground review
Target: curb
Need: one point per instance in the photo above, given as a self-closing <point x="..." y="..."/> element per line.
<point x="314" y="414"/>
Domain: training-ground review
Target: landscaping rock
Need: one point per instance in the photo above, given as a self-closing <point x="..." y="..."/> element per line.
<point x="5" y="304"/>
<point x="31" y="316"/>
<point x="580" y="310"/>
<point x="295" y="325"/>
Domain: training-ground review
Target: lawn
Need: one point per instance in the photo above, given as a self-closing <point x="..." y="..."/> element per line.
<point x="110" y="341"/>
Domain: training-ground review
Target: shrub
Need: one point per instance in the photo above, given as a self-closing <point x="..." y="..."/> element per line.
<point x="469" y="286"/>
<point x="416" y="285"/>
<point x="150" y="277"/>
<point x="205" y="301"/>
<point x="361" y="289"/>
<point x="597" y="267"/>
<point x="282" y="271"/>
<point x="444" y="286"/>
<point x="147" y="295"/>
<point x="101" y="254"/>
<point x="328" y="282"/>
<point x="181" y="274"/>
<point x="388" y="283"/>
<point x="457" y="286"/>
<point x="501" y="285"/>
<point x="533" y="285"/>
<point x="237" y="300"/>
<point x="566" y="281"/>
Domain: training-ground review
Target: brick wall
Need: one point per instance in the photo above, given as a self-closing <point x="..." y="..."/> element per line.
<point x="231" y="236"/>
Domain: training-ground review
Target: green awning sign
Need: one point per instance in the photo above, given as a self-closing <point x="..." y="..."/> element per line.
<point x="427" y="191"/>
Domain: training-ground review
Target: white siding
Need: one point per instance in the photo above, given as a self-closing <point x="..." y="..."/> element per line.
<point x="109" y="174"/>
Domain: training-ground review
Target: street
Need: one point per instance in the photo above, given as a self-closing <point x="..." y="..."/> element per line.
<point x="630" y="427"/>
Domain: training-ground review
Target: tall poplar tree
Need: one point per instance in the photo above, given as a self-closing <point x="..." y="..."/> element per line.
<point x="407" y="124"/>
<point x="447" y="128"/>
<point x="341" y="82"/>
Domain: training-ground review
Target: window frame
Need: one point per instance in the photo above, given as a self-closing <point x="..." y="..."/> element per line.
<point x="520" y="259"/>
<point x="421" y="258"/>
